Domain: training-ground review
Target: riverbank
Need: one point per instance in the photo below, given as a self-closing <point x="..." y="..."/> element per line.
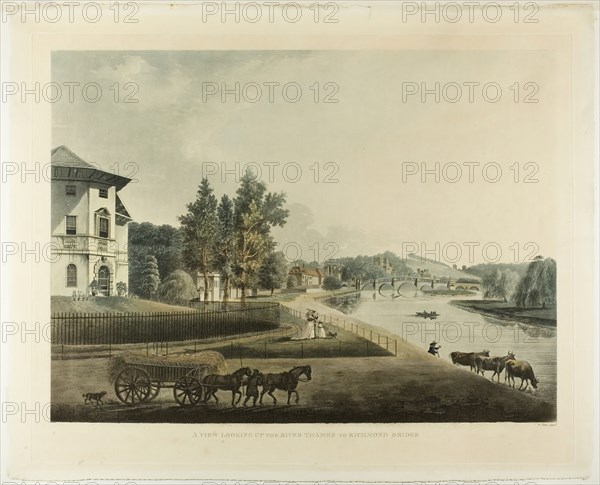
<point x="506" y="311"/>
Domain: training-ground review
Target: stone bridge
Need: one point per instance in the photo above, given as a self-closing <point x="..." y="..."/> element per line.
<point x="396" y="286"/>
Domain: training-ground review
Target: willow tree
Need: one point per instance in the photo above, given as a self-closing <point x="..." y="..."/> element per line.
<point x="538" y="286"/>
<point x="177" y="289"/>
<point x="500" y="283"/>
<point x="256" y="212"/>
<point x="200" y="226"/>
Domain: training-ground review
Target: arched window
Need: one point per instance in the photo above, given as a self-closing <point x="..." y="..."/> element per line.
<point x="71" y="276"/>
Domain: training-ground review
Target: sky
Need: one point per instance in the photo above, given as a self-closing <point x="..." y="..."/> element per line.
<point x="346" y="166"/>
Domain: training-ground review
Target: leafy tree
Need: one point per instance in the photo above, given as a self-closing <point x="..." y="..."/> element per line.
<point x="360" y="267"/>
<point x="200" y="226"/>
<point x="256" y="212"/>
<point x="273" y="272"/>
<point x="121" y="288"/>
<point x="150" y="277"/>
<point x="164" y="242"/>
<point x="482" y="269"/>
<point x="471" y="280"/>
<point x="538" y="286"/>
<point x="225" y="238"/>
<point x="178" y="288"/>
<point x="331" y="283"/>
<point x="291" y="282"/>
<point x="500" y="283"/>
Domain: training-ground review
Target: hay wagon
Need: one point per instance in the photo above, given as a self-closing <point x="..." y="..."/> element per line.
<point x="139" y="379"/>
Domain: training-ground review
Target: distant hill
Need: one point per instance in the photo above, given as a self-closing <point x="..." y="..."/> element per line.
<point x="481" y="269"/>
<point x="436" y="268"/>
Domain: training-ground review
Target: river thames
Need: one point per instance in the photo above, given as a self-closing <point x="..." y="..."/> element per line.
<point x="458" y="329"/>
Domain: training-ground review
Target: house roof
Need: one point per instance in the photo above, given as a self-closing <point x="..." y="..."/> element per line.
<point x="122" y="214"/>
<point x="67" y="165"/>
<point x="64" y="157"/>
<point x="313" y="272"/>
<point x="307" y="271"/>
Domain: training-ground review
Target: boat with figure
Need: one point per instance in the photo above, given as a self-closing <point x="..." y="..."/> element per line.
<point x="426" y="314"/>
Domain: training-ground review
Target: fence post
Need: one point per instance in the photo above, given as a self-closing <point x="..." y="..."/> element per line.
<point x="62" y="351"/>
<point x="371" y="335"/>
<point x="387" y="343"/>
<point x="396" y="348"/>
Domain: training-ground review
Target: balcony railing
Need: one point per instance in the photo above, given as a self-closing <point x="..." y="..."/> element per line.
<point x="87" y="243"/>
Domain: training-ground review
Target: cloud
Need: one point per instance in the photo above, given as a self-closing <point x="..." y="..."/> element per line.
<point x="130" y="69"/>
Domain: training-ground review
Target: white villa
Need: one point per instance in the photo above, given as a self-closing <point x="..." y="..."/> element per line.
<point x="89" y="227"/>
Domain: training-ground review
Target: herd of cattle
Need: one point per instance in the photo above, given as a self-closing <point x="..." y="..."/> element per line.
<point x="481" y="362"/>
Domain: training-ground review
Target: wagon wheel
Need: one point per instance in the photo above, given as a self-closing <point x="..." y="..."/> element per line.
<point x="154" y="390"/>
<point x="133" y="386"/>
<point x="187" y="391"/>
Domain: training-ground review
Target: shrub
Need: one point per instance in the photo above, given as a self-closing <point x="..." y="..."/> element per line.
<point x="331" y="283"/>
<point x="177" y="289"/>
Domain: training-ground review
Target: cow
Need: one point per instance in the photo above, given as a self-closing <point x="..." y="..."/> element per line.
<point x="495" y="364"/>
<point x="523" y="370"/>
<point x="467" y="358"/>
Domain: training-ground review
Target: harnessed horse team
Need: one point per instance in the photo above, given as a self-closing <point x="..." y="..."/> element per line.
<point x="251" y="380"/>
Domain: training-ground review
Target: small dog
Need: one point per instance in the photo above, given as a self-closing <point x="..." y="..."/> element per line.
<point x="331" y="334"/>
<point x="94" y="396"/>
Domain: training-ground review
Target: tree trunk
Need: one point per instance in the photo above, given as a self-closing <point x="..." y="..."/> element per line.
<point x="225" y="289"/>
<point x="272" y="290"/>
<point x="206" y="288"/>
<point x="243" y="293"/>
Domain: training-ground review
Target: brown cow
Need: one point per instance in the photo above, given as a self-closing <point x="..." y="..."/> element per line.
<point x="522" y="369"/>
<point x="495" y="364"/>
<point x="467" y="358"/>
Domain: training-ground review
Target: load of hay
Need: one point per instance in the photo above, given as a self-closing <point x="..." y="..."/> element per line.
<point x="212" y="362"/>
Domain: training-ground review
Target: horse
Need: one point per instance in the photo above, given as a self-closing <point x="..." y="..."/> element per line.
<point x="285" y="381"/>
<point x="230" y="382"/>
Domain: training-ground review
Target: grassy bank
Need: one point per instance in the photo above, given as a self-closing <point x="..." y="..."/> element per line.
<point x="504" y="310"/>
<point x="114" y="304"/>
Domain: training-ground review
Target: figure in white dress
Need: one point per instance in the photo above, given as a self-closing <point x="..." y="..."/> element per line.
<point x="309" y="328"/>
<point x="321" y="330"/>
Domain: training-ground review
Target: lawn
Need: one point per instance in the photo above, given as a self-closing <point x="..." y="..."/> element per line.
<point x="115" y="304"/>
